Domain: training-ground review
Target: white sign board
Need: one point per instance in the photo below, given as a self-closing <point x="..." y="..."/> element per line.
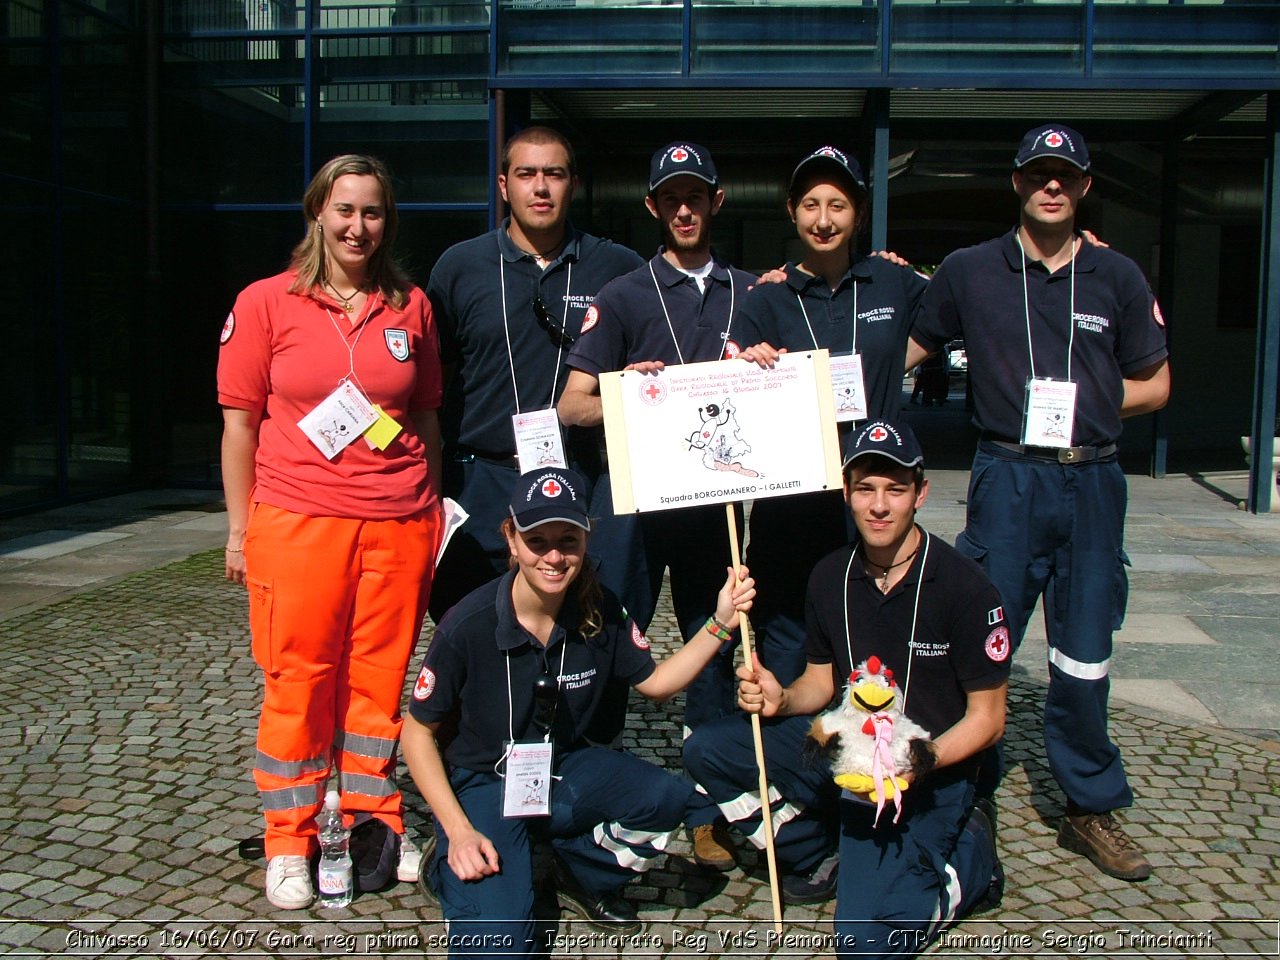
<point x="701" y="433"/>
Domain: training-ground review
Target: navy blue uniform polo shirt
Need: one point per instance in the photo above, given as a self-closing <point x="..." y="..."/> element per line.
<point x="962" y="642"/>
<point x="977" y="293"/>
<point x="467" y="300"/>
<point x="463" y="681"/>
<point x="656" y="312"/>
<point x="888" y="297"/>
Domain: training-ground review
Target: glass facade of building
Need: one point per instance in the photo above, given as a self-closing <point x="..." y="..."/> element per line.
<point x="154" y="154"/>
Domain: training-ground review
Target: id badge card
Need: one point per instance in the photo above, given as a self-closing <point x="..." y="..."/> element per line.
<point x="1050" y="412"/>
<point x="527" y="788"/>
<point x="338" y="419"/>
<point x="538" y="440"/>
<point x="848" y="388"/>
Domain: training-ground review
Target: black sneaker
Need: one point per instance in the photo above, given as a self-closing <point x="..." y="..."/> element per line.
<point x="818" y="886"/>
<point x="424" y="870"/>
<point x="374" y="851"/>
<point x="984" y="812"/>
<point x="608" y="912"/>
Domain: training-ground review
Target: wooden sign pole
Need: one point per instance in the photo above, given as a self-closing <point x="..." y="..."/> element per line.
<point x="766" y="812"/>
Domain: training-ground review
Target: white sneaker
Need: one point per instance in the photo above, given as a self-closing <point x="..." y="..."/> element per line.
<point x="289" y="883"/>
<point x="410" y="862"/>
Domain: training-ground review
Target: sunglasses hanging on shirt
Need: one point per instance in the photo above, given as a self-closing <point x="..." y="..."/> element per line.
<point x="559" y="335"/>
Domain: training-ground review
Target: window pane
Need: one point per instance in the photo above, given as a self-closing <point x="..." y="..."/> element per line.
<point x="1193" y="38"/>
<point x="29" y="388"/>
<point x="614" y="36"/>
<point x="28" y="106"/>
<point x="104" y="310"/>
<point x="1006" y="36"/>
<point x="747" y="37"/>
<point x="431" y="162"/>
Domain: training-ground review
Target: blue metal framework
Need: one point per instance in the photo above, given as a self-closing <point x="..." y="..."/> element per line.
<point x="997" y="45"/>
<point x="877" y="46"/>
<point x="1262" y="476"/>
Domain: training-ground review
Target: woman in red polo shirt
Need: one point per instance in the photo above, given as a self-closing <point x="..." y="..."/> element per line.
<point x="329" y="381"/>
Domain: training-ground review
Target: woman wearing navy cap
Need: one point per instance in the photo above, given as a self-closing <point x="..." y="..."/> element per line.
<point x="853" y="306"/>
<point x="512" y="679"/>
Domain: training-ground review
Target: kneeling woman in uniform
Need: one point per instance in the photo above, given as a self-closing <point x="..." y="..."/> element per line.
<point x="495" y="743"/>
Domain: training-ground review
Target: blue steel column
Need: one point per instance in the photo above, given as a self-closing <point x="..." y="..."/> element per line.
<point x="878" y="101"/>
<point x="1169" y="173"/>
<point x="686" y="37"/>
<point x="1262" y="480"/>
<point x="58" y="296"/>
<point x="310" y="88"/>
<point x="497" y="122"/>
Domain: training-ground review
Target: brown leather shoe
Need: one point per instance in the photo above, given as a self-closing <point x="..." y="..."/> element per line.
<point x="713" y="847"/>
<point x="1100" y="838"/>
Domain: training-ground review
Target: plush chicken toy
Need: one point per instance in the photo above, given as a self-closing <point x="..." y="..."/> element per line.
<point x="869" y="742"/>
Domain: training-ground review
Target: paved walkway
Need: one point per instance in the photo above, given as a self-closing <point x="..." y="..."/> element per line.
<point x="129" y="702"/>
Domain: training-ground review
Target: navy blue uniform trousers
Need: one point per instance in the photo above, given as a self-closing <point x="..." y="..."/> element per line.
<point x="1040" y="527"/>
<point x="899" y="884"/>
<point x="612" y="815"/>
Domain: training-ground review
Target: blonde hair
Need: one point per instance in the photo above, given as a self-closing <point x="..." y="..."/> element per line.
<point x="309" y="256"/>
<point x="588" y="592"/>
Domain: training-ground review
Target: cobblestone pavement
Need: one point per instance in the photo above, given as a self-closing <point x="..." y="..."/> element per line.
<point x="129" y="708"/>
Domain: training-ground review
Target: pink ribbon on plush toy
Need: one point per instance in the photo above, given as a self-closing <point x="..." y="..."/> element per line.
<point x="882" y="764"/>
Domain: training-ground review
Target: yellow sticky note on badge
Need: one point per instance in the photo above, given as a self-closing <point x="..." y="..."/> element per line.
<point x="382" y="431"/>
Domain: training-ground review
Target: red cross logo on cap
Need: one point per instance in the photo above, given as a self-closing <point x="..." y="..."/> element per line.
<point x="878" y="434"/>
<point x="1053" y="140"/>
<point x="551" y="488"/>
<point x="679" y="154"/>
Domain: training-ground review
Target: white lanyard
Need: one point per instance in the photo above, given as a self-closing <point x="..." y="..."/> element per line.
<point x="661" y="300"/>
<point x="511" y="730"/>
<point x="854" y="347"/>
<point x="1026" y="306"/>
<point x="564" y="321"/>
<point x="351" y="347"/>
<point x="915" y="614"/>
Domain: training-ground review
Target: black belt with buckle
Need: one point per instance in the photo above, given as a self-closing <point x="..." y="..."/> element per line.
<point x="1067" y="455"/>
<point x="462" y="454"/>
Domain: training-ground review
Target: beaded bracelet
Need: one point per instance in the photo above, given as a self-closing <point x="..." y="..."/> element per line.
<point x="718" y="630"/>
<point x="231" y="550"/>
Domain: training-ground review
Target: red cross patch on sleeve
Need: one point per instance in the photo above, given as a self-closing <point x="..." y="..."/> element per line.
<point x="998" y="645"/>
<point x="425" y="685"/>
<point x="638" y="638"/>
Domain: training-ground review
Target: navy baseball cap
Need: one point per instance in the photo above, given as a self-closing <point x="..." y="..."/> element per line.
<point x="825" y="156"/>
<point x="1052" y="140"/>
<point x="553" y="493"/>
<point x="682" y="157"/>
<point x="882" y="438"/>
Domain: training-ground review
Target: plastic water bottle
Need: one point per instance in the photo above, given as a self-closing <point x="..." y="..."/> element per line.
<point x="335" y="860"/>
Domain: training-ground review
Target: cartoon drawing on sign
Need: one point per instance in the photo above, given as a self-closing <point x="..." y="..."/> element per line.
<point x="719" y="440"/>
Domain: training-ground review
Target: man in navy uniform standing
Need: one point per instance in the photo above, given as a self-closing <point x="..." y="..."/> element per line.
<point x="509" y="305"/>
<point x="1064" y="340"/>
<point x="677" y="308"/>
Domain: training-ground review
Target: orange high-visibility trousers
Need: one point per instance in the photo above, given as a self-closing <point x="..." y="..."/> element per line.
<point x="335" y="607"/>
